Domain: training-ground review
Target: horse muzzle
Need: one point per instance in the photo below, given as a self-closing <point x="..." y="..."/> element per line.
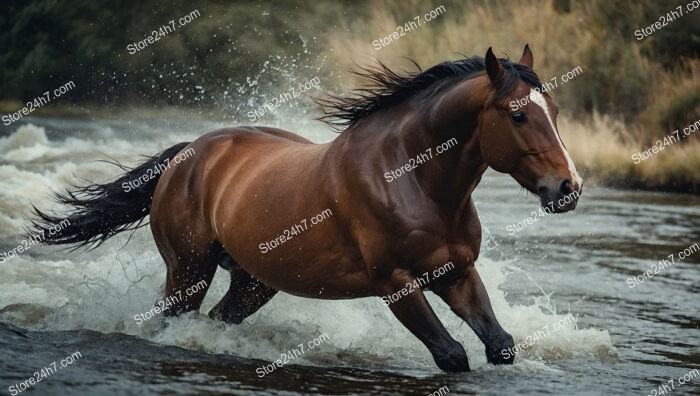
<point x="562" y="199"/>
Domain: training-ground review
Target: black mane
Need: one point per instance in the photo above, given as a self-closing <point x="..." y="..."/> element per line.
<point x="386" y="88"/>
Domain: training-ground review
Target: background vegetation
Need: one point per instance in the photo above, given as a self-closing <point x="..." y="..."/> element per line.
<point x="631" y="92"/>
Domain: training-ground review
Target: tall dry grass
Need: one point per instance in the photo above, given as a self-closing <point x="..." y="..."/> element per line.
<point x="602" y="149"/>
<point x="642" y="100"/>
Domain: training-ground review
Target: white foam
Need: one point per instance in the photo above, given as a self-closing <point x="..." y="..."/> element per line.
<point x="106" y="291"/>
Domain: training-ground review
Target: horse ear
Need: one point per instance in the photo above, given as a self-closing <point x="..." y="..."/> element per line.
<point x="526" y="59"/>
<point x="494" y="69"/>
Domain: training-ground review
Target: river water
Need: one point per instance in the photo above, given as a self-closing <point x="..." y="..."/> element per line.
<point x="562" y="285"/>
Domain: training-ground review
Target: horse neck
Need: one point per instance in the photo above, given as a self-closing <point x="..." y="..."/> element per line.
<point x="451" y="177"/>
<point x="455" y="112"/>
<point x="410" y="129"/>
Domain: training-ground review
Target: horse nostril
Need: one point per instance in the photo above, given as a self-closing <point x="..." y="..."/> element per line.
<point x="566" y="187"/>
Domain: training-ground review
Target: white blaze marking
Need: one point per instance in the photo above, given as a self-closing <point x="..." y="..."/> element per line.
<point x="537" y="98"/>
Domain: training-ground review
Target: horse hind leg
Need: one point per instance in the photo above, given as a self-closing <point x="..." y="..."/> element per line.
<point x="245" y="294"/>
<point x="190" y="269"/>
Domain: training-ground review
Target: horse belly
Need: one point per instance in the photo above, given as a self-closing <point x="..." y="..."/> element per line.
<point x="316" y="275"/>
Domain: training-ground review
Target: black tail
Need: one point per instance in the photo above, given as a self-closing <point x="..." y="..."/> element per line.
<point x="100" y="211"/>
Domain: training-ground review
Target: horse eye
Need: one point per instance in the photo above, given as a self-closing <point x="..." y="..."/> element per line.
<point x="519" y="117"/>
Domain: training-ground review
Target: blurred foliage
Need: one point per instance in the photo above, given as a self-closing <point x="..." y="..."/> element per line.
<point x="236" y="49"/>
<point x="45" y="43"/>
<point x="635" y="74"/>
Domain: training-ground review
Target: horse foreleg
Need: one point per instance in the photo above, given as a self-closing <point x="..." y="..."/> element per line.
<point x="413" y="311"/>
<point x="468" y="299"/>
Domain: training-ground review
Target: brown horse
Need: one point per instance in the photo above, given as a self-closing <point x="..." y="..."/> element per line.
<point x="375" y="212"/>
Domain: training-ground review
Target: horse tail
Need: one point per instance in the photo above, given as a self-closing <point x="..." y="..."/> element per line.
<point x="100" y="211"/>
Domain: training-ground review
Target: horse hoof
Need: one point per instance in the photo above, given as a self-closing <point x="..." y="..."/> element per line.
<point x="497" y="358"/>
<point x="453" y="362"/>
<point x="504" y="355"/>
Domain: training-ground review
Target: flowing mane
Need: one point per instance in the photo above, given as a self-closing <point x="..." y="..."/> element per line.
<point x="386" y="88"/>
